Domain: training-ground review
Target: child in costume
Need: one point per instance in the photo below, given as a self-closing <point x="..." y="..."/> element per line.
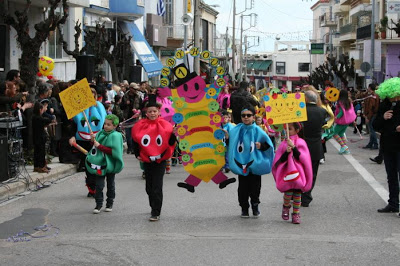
<point x="344" y="115"/>
<point x="153" y="143"/>
<point x="105" y="160"/>
<point x="292" y="171"/>
<point x="360" y="120"/>
<point x="227" y="127"/>
<point x="250" y="155"/>
<point x="328" y="129"/>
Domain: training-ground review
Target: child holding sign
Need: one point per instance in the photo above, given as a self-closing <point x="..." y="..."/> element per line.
<point x="292" y="171"/>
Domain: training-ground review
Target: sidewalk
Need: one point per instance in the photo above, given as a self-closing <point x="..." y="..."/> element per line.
<point x="31" y="181"/>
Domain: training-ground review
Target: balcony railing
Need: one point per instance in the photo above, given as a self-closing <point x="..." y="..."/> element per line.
<point x="349" y="28"/>
<point x="175" y="31"/>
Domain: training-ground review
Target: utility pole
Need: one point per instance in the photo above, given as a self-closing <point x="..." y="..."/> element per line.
<point x="373" y="38"/>
<point x="245" y="56"/>
<point x="233" y="43"/>
<point x="196" y="27"/>
<point x="241" y="49"/>
<point x="226" y="48"/>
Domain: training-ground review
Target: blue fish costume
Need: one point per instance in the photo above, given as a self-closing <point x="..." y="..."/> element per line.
<point x="243" y="155"/>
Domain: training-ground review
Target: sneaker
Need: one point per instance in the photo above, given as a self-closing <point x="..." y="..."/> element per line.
<point x="346" y="151"/>
<point x="97" y="209"/>
<point x="108" y="208"/>
<point x="256" y="211"/>
<point x="367" y="147"/>
<point x="322" y="161"/>
<point x="296" y="218"/>
<point x="154" y="218"/>
<point x="285" y="212"/>
<point x="245" y="214"/>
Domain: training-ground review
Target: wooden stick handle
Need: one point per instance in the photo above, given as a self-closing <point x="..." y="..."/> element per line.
<point x="79" y="148"/>
<point x="87" y="121"/>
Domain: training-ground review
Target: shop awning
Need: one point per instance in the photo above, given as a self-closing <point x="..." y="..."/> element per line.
<point x="145" y="53"/>
<point x="258" y="65"/>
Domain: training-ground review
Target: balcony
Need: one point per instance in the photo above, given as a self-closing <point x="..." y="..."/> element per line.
<point x="345" y="2"/>
<point x="327" y="20"/>
<point x="126" y="8"/>
<point x="348" y="32"/>
<point x="340" y="9"/>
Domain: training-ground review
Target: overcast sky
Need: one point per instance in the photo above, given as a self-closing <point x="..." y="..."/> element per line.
<point x="290" y="19"/>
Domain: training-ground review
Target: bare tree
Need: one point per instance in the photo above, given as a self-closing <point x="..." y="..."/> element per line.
<point x="29" y="46"/>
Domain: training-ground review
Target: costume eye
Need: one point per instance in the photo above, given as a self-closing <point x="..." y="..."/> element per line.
<point x="93" y="151"/>
<point x="196" y="87"/>
<point x="159" y="140"/>
<point x="167" y="110"/>
<point x="83" y="123"/>
<point x="146" y="140"/>
<point x="95" y="122"/>
<point x="251" y="147"/>
<point x="185" y="87"/>
<point x="240" y="147"/>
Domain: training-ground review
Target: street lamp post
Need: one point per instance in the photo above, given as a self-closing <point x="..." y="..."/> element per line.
<point x="197" y="21"/>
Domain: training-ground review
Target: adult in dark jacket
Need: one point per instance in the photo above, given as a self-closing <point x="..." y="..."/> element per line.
<point x="387" y="121"/>
<point x="239" y="98"/>
<point x="312" y="135"/>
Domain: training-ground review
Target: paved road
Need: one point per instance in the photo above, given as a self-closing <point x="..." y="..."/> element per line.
<point x="341" y="226"/>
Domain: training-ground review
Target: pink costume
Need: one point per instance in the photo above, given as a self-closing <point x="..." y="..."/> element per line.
<point x="348" y="116"/>
<point x="224" y="97"/>
<point x="293" y="173"/>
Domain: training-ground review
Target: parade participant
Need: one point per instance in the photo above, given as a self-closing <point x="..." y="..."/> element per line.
<point x="371" y="105"/>
<point x="153" y="142"/>
<point x="312" y="135"/>
<point x="344" y="115"/>
<point x="105" y="160"/>
<point x="292" y="171"/>
<point x="96" y="115"/>
<point x="224" y="97"/>
<point x="240" y="98"/>
<point x="39" y="135"/>
<point x="250" y="155"/>
<point x="227" y="126"/>
<point x="388" y="123"/>
<point x="328" y="130"/>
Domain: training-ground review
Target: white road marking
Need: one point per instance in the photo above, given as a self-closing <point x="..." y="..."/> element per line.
<point x="382" y="192"/>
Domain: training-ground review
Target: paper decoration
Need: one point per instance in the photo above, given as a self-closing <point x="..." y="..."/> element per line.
<point x="285" y="108"/>
<point x="77" y="98"/>
<point x="46" y="66"/>
<point x="332" y="94"/>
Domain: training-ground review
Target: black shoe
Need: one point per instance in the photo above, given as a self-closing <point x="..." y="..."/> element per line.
<point x="189" y="188"/>
<point x="154" y="218"/>
<point x="97" y="209"/>
<point x="108" y="207"/>
<point x="223" y="184"/>
<point x="376" y="160"/>
<point x="305" y="204"/>
<point x="256" y="211"/>
<point x="367" y="147"/>
<point x="388" y="208"/>
<point x="375" y="147"/>
<point x="245" y="213"/>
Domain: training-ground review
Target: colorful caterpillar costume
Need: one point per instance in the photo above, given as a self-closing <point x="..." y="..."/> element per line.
<point x="198" y="128"/>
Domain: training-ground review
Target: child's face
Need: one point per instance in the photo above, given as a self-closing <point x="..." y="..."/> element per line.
<point x="226" y="119"/>
<point x="258" y="120"/>
<point x="152" y="113"/>
<point x="247" y="117"/>
<point x="292" y="130"/>
<point x="108" y="125"/>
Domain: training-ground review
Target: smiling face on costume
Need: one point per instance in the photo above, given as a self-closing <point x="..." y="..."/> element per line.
<point x="193" y="90"/>
<point x="96" y="115"/>
<point x="332" y="94"/>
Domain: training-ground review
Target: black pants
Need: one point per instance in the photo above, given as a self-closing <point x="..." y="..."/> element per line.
<point x="90" y="179"/>
<point x="306" y="197"/>
<point x="154" y="185"/>
<point x="99" y="197"/>
<point x="392" y="166"/>
<point x="39" y="155"/>
<point x="249" y="187"/>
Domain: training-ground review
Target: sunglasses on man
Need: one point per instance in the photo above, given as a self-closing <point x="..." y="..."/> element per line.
<point x="247" y="115"/>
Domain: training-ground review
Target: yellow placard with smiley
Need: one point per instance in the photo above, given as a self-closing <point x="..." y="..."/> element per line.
<point x="285" y="108"/>
<point x="77" y="98"/>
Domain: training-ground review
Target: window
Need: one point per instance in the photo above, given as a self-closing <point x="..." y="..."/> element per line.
<point x="56" y="49"/>
<point x="280" y="68"/>
<point x="304" y="67"/>
<point x="168" y="18"/>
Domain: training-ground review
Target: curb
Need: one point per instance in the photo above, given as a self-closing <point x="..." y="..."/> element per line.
<point x="58" y="171"/>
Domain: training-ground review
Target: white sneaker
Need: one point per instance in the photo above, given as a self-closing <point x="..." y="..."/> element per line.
<point x="96" y="210"/>
<point x="108" y="209"/>
<point x="322" y="161"/>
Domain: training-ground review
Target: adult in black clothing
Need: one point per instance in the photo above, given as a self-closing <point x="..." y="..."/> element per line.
<point x="239" y="98"/>
<point x="131" y="102"/>
<point x="312" y="135"/>
<point x="387" y="121"/>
